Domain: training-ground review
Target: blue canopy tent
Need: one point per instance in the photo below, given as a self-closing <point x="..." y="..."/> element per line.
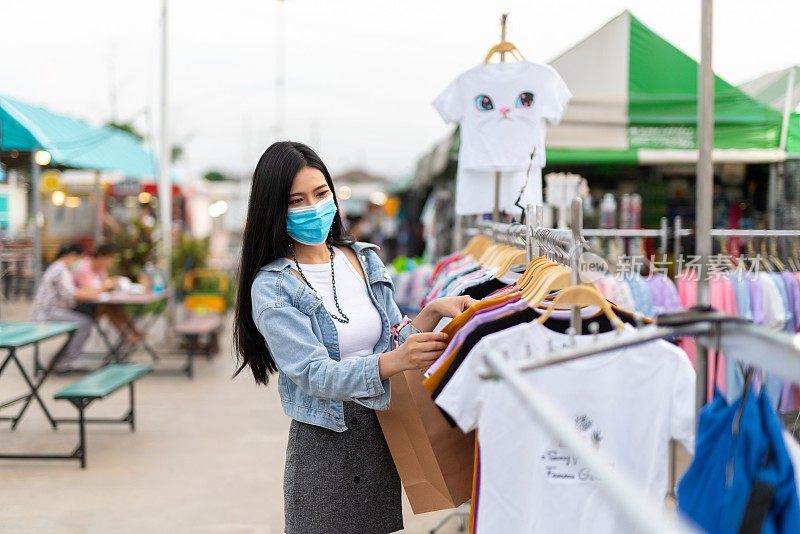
<point x="71" y="143"/>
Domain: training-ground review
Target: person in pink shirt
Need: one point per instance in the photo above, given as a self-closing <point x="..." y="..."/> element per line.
<point x="93" y="273"/>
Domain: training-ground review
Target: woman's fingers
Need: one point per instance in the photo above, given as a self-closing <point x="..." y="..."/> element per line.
<point x="432" y="346"/>
<point x="423" y="337"/>
<point x="466" y="302"/>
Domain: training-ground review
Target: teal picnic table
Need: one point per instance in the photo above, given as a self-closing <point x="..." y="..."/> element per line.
<point x="16" y="335"/>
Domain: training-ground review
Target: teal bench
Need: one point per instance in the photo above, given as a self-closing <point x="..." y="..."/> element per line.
<point x="98" y="385"/>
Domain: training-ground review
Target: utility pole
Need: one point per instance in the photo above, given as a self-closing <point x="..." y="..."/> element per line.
<point x="280" y="74"/>
<point x="112" y="82"/>
<point x="704" y="207"/>
<point x="164" y="182"/>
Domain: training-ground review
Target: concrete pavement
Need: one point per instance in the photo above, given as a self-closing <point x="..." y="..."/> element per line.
<point x="207" y="457"/>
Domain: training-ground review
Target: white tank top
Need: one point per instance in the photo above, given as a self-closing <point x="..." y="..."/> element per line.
<point x="361" y="334"/>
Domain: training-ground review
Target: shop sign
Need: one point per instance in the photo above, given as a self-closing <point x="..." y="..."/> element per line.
<point x="678" y="137"/>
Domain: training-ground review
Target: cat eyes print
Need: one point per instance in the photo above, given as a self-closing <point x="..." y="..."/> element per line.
<point x="524" y="100"/>
<point x="484" y="103"/>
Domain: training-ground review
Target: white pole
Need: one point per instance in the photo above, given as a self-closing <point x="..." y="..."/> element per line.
<point x="280" y="75"/>
<point x="498" y="174"/>
<point x="36" y="264"/>
<point x="705" y="175"/>
<point x="164" y="182"/>
<point x="98" y="212"/>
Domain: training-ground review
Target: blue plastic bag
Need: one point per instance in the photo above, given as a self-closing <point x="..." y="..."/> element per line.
<point x="741" y="479"/>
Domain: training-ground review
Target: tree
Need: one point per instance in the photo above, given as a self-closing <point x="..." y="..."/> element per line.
<point x="217" y="176"/>
<point x="127" y="127"/>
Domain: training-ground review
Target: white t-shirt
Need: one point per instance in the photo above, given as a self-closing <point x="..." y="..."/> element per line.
<point x="772" y="302"/>
<point x="502" y="109"/>
<point x="628" y="404"/>
<point x="362" y="333"/>
<point x="475" y="190"/>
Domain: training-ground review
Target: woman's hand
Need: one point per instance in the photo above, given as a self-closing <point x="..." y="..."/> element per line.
<point x="452" y="306"/>
<point x="431" y="314"/>
<point x="418" y="352"/>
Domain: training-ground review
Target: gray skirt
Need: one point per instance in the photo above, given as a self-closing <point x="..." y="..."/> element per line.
<point x="341" y="482"/>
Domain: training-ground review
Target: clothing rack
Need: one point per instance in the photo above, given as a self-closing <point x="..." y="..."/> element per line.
<point x="776" y="352"/>
<point x="532" y="238"/>
<point x="679" y="232"/>
<point x="505" y="232"/>
<point x="561" y="246"/>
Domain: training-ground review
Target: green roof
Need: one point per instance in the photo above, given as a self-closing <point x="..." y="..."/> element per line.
<point x="71" y="142"/>
<point x="662" y="91"/>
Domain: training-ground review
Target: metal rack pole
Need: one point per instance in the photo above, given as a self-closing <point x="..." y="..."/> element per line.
<point x="754" y="233"/>
<point x="530" y="216"/>
<point x="663" y="243"/>
<point x="458" y="232"/>
<point x="678" y="234"/>
<point x="539" y="217"/>
<point x="576" y="221"/>
<point x="497" y="174"/>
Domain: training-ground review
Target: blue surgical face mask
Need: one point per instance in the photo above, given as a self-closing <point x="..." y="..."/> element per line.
<point x="310" y="225"/>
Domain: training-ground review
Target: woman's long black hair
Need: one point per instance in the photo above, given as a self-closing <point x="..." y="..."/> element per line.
<point x="265" y="239"/>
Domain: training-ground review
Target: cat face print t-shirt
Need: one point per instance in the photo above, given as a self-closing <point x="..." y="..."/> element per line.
<point x="503" y="109"/>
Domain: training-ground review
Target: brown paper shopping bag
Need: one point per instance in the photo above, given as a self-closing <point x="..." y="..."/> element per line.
<point x="434" y="460"/>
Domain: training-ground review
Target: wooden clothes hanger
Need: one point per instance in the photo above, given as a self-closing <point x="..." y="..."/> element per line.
<point x="794" y="261"/>
<point x="518" y="257"/>
<point x="773" y="255"/>
<point x="487" y="254"/>
<point x="582" y="295"/>
<point x="765" y="259"/>
<point x="531" y="271"/>
<point x="476" y="246"/>
<point x="503" y="47"/>
<point x="552" y="277"/>
<point x="489" y="258"/>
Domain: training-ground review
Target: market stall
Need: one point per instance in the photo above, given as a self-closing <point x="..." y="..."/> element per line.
<point x="35" y="145"/>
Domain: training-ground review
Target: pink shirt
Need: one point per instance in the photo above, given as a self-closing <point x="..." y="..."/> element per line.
<point x="86" y="276"/>
<point x="723" y="298"/>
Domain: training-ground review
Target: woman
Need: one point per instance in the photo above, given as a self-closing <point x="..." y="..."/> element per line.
<point x="56" y="298"/>
<point x="93" y="273"/>
<point x="317" y="308"/>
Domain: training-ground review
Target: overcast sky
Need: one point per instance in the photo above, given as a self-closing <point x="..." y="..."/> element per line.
<point x="360" y="74"/>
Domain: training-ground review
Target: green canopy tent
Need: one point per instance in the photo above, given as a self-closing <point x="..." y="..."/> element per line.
<point x="781" y="91"/>
<point x="635" y="102"/>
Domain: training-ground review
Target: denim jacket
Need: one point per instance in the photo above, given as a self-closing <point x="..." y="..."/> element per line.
<point x="301" y="335"/>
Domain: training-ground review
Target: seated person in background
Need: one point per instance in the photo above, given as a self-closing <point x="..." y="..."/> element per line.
<point x="56" y="298"/>
<point x="93" y="273"/>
